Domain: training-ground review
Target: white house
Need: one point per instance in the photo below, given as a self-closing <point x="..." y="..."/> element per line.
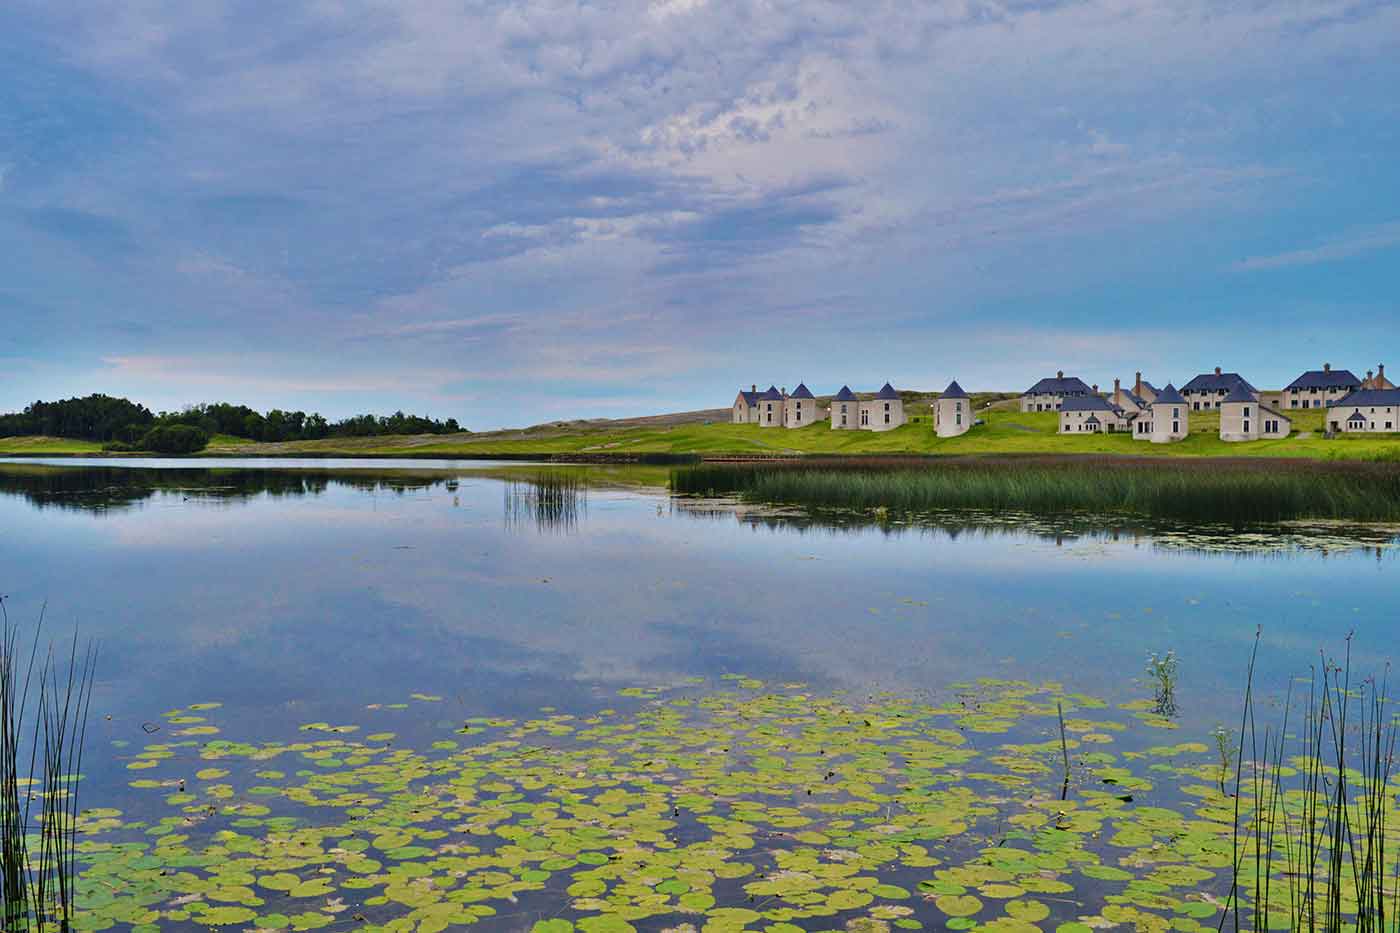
<point x="746" y="407"/>
<point x="845" y="411"/>
<point x="1243" y="418"/>
<point x="952" y="413"/>
<point x="1092" y="414"/>
<point x="771" y="408"/>
<point x="1049" y="394"/>
<point x="1166" y="419"/>
<point x="1366" y="411"/>
<point x="1319" y="388"/>
<point x="1209" y="390"/>
<point x="800" y="408"/>
<point x="884" y="412"/>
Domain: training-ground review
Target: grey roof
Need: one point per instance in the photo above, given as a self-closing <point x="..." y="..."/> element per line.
<point x="1169" y="396"/>
<point x="801" y="391"/>
<point x="1054" y="385"/>
<point x="1240" y="394"/>
<point x="846" y="395"/>
<point x="1087" y="403"/>
<point x="1357" y="416"/>
<point x="1150" y="387"/>
<point x="887" y="392"/>
<point x="1092" y="419"/>
<point x="1325" y="379"/>
<point x="1372" y="397"/>
<point x="1138" y="400"/>
<point x="772" y="395"/>
<point x="749" y="397"/>
<point x="1210" y="382"/>
<point x="953" y="391"/>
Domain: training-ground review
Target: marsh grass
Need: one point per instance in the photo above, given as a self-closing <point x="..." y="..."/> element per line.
<point x="1235" y="493"/>
<point x="44" y="703"/>
<point x="551" y="500"/>
<point x="1162" y="669"/>
<point x="1312" y="839"/>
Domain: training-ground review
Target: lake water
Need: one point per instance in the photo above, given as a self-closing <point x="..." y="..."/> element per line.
<point x="302" y="592"/>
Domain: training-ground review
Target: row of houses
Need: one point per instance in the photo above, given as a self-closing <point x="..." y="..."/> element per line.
<point x="1148" y="413"/>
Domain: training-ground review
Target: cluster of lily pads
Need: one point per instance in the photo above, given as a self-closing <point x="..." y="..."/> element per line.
<point x="747" y="807"/>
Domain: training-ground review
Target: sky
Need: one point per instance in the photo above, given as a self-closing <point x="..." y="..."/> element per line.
<point x="516" y="212"/>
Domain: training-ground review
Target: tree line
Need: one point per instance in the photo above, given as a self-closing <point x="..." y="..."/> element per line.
<point x="124" y="424"/>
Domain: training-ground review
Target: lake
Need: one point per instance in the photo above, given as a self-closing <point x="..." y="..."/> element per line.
<point x="432" y="599"/>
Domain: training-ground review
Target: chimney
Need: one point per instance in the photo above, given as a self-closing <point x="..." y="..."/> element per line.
<point x="1370" y="377"/>
<point x="1327" y="367"/>
<point x="1096" y="388"/>
<point x="784" y="391"/>
<point x="1380" y="370"/>
<point x="754" y="387"/>
<point x="1116" y="388"/>
<point x="1137" y="384"/>
<point x="1217" y="370"/>
<point x="1060" y="374"/>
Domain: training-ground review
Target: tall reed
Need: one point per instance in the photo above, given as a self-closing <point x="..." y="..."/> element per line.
<point x="44" y="704"/>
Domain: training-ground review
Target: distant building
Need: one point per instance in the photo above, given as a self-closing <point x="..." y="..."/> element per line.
<point x="1127" y="400"/>
<point x="1243" y="418"/>
<point x="771" y="407"/>
<point x="746" y="407"/>
<point x="1049" y="394"/>
<point x="884" y="412"/>
<point x="1209" y="390"/>
<point x="1366" y="410"/>
<point x="1092" y="414"/>
<point x="800" y="408"/>
<point x="1165" y="420"/>
<point x="845" y="411"/>
<point x="952" y="413"/>
<point x="1377" y="381"/>
<point x="1318" y="388"/>
<point x="1144" y="389"/>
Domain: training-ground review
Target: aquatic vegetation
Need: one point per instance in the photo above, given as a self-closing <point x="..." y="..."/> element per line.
<point x="1162" y="670"/>
<point x="550" y="500"/>
<point x="1235" y="493"/>
<point x="42" y="721"/>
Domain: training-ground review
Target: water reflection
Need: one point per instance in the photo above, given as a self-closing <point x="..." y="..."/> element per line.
<point x="550" y="502"/>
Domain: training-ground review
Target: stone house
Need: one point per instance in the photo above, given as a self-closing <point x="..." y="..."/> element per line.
<point x="772" y="408"/>
<point x="952" y="413"/>
<point x="1050" y="393"/>
<point x="884" y="412"/>
<point x="1319" y="388"/>
<point x="1092" y="414"/>
<point x="1209" y="390"/>
<point x="1366" y="411"/>
<point x="1243" y="418"/>
<point x="800" y="408"/>
<point x="746" y="407"/>
<point x="1165" y="420"/>
<point x="845" y="411"/>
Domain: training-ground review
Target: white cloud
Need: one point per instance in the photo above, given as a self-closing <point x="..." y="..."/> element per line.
<point x="1356" y="243"/>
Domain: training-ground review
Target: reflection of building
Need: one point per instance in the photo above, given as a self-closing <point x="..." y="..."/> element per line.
<point x="952" y="413"/>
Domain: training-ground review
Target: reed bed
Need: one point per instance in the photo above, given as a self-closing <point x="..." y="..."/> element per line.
<point x="1233" y="493"/>
<point x="551" y="500"/>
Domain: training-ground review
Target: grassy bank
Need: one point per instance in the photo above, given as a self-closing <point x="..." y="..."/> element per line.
<point x="1234" y="492"/>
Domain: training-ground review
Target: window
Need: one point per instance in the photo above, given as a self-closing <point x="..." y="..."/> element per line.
<point x="843" y="418"/>
<point x="1196" y="406"/>
<point x="1388" y="425"/>
<point x="959" y="421"/>
<point x="887" y="406"/>
<point x="1246" y="414"/>
<point x="887" y="416"/>
<point x="1294" y="402"/>
<point x="1246" y="427"/>
<point x="865" y="417"/>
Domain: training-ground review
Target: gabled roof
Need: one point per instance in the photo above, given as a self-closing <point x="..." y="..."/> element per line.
<point x="1357" y="416"/>
<point x="953" y="391"/>
<point x="846" y="395"/>
<point x="1058" y="385"/>
<point x="1092" y="419"/>
<point x="749" y="397"/>
<point x="1169" y="396"/>
<point x="1137" y="400"/>
<point x="1325" y="379"/>
<point x="1239" y="394"/>
<point x="1150" y="387"/>
<point x="1214" y="382"/>
<point x="801" y="391"/>
<point x="1087" y="403"/>
<point x="1371" y="397"/>
<point x="772" y="395"/>
<point x="887" y="392"/>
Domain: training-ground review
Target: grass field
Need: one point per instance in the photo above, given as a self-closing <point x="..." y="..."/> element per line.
<point x="43" y="446"/>
<point x="1005" y="432"/>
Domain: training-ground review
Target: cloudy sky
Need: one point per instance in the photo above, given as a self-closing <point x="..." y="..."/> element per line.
<point x="511" y="212"/>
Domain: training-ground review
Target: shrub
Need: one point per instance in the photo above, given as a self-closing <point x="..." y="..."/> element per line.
<point x="174" y="439"/>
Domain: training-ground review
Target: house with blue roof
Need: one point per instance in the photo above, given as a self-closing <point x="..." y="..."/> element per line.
<point x="952" y="412"/>
<point x="772" y="408"/>
<point x="1092" y="414"/>
<point x="884" y="412"/>
<point x="1166" y="418"/>
<point x="845" y="410"/>
<point x="1209" y="390"/>
<point x="1049" y="393"/>
<point x="1319" y="388"/>
<point x="1366" y="411"/>
<point x="745" y="410"/>
<point x="800" y="408"/>
<point x="1244" y="418"/>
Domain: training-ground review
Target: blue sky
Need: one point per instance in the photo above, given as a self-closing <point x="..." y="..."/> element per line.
<point x="526" y="211"/>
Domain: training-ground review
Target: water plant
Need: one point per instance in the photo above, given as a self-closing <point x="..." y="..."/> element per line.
<point x="1162" y="670"/>
<point x="43" y="720"/>
<point x="550" y="499"/>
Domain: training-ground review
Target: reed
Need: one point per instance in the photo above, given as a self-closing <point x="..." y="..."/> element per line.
<point x="44" y="704"/>
<point x="1234" y="493"/>
<point x="551" y="500"/>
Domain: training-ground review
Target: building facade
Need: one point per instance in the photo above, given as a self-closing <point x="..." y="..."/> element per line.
<point x="1209" y="390"/>
<point x="952" y="412"/>
<point x="1366" y="411"/>
<point x="1050" y="393"/>
<point x="1243" y="418"/>
<point x="845" y="411"/>
<point x="1092" y="414"/>
<point x="800" y="408"/>
<point x="1319" y="388"/>
<point x="771" y="408"/>
<point x="884" y="412"/>
<point x="1169" y="418"/>
<point x="746" y="407"/>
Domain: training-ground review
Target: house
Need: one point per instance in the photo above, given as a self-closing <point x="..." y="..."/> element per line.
<point x="1129" y="401"/>
<point x="1319" y="388"/>
<point x="1208" y="390"/>
<point x="952" y="413"/>
<point x="1049" y="394"/>
<point x="1091" y="414"/>
<point x="1366" y="410"/>
<point x="884" y="412"/>
<point x="1243" y="418"/>
<point x="1166" y="419"/>
<point x="772" y="408"/>
<point x="845" y="411"/>
<point x="1378" y="381"/>
<point x="746" y="407"/>
<point x="1144" y="389"/>
<point x="800" y="408"/>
